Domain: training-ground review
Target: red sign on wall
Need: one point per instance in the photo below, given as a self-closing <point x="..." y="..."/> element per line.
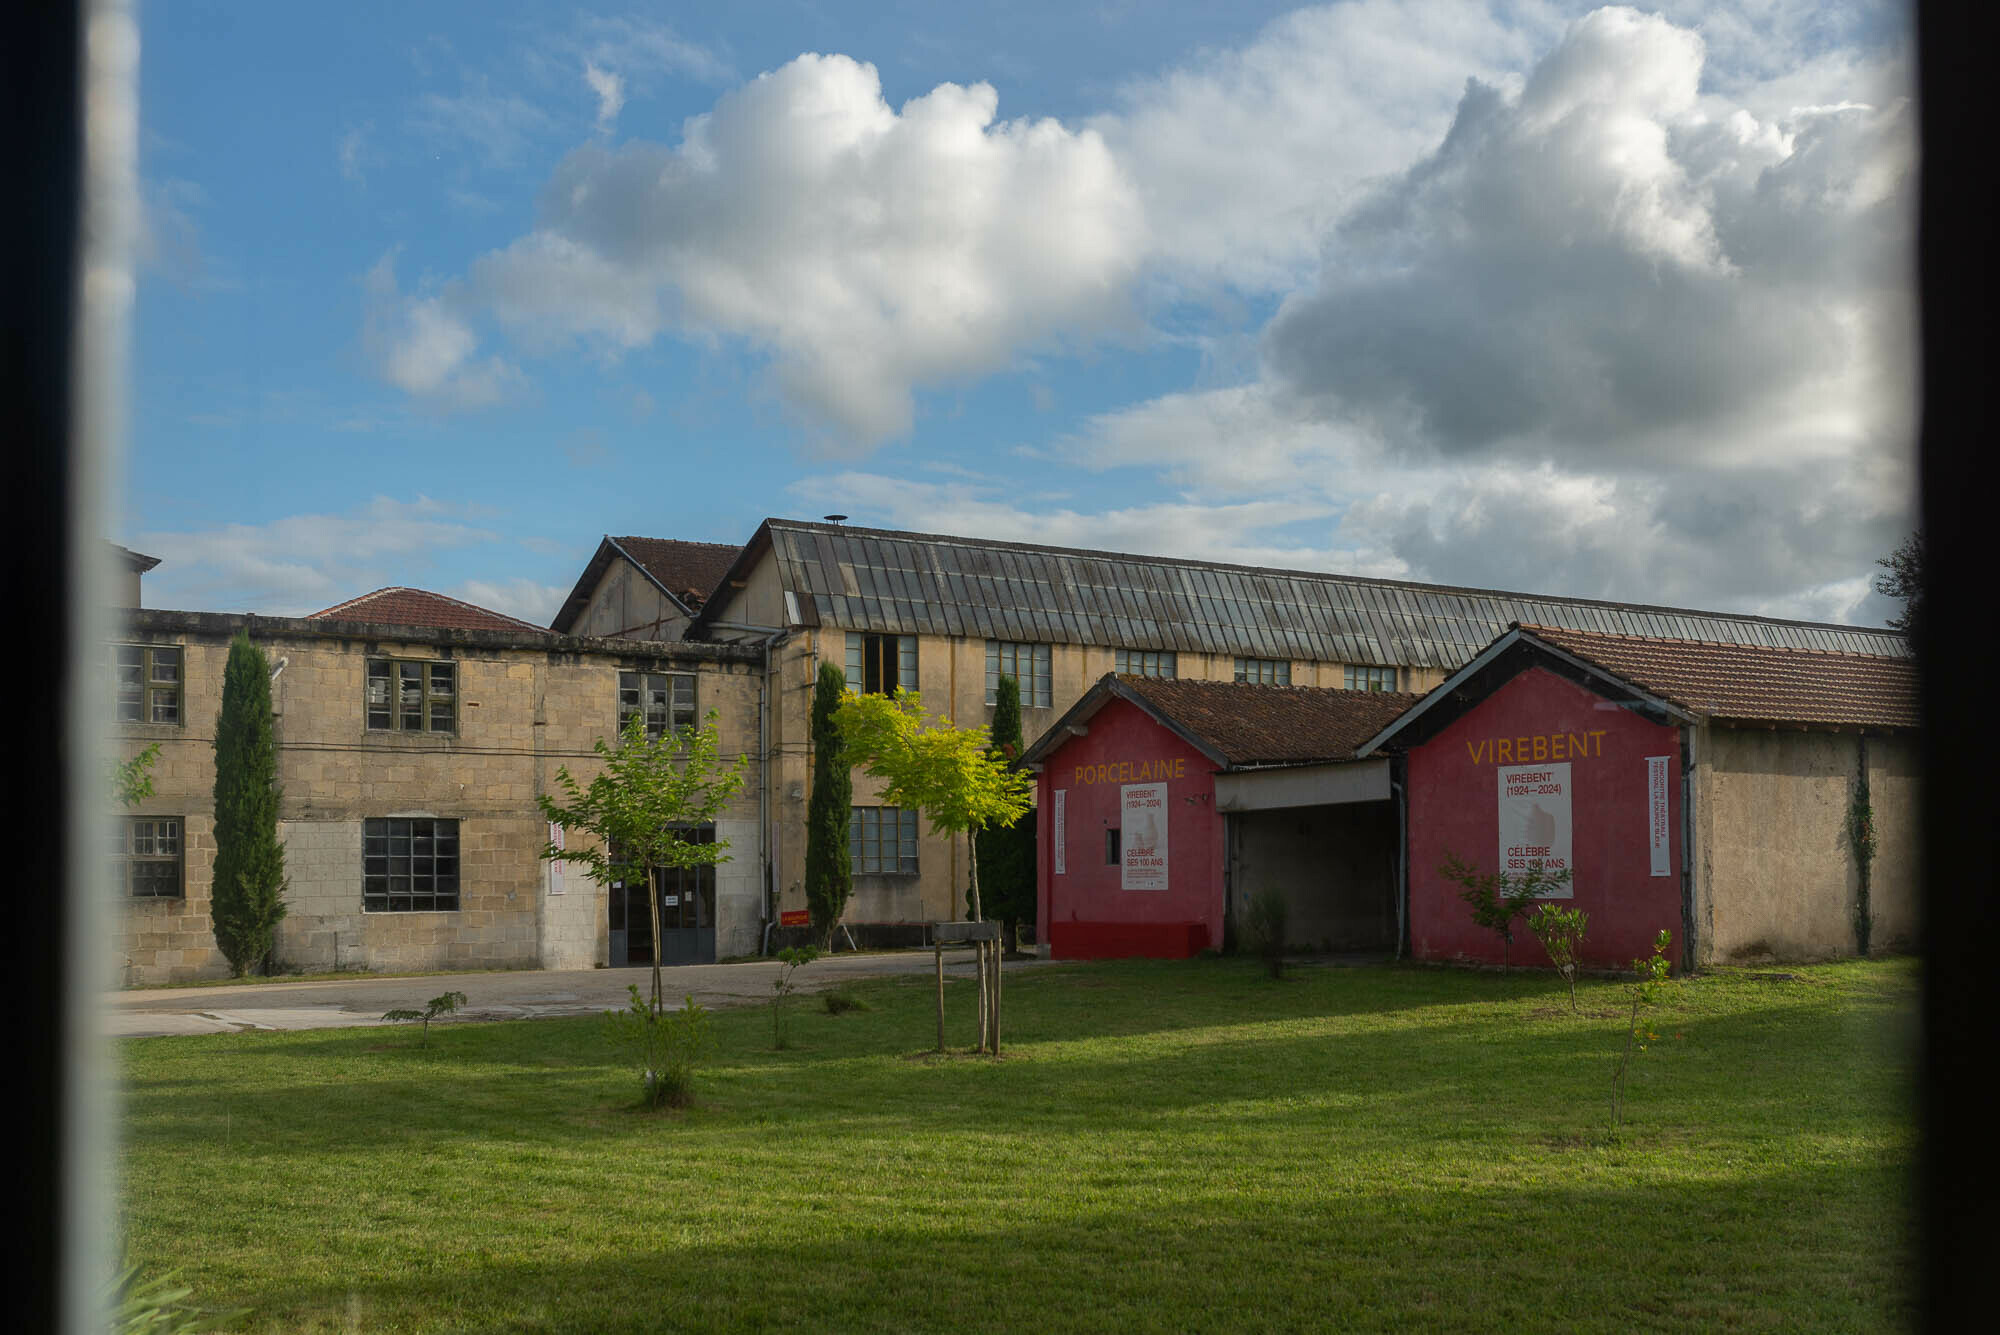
<point x="795" y="918"/>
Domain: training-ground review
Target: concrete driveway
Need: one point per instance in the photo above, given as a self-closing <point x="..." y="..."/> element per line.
<point x="517" y="995"/>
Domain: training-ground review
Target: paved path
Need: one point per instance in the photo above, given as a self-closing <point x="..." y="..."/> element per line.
<point x="522" y="994"/>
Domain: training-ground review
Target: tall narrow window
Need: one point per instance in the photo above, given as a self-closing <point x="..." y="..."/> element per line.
<point x="409" y="865"/>
<point x="665" y="698"/>
<point x="878" y="664"/>
<point x="405" y="695"/>
<point x="1146" y="663"/>
<point x="146" y="683"/>
<point x="1264" y="671"/>
<point x="1371" y="679"/>
<point x="1027" y="664"/>
<point x="146" y="857"/>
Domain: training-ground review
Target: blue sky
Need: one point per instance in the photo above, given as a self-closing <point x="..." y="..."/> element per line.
<point x="1607" y="302"/>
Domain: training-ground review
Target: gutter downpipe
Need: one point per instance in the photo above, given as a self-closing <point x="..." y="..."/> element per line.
<point x="1402" y="857"/>
<point x="768" y="845"/>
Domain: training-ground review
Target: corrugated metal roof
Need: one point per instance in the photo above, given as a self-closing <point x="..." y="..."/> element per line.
<point x="939" y="585"/>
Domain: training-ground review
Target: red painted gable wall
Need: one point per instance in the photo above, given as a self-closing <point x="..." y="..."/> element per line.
<point x="1454" y="808"/>
<point x="1084" y="912"/>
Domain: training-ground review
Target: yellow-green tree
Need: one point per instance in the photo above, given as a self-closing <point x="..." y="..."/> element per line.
<point x="949" y="773"/>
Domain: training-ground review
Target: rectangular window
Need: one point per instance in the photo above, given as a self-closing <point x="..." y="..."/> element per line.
<point x="1111" y="848"/>
<point x="409" y="865"/>
<point x="882" y="841"/>
<point x="1371" y="679"/>
<point x="405" y="695"/>
<point x="665" y="698"/>
<point x="1145" y="663"/>
<point x="146" y="855"/>
<point x="1264" y="671"/>
<point x="146" y="682"/>
<point x="687" y="894"/>
<point x="1027" y="664"/>
<point x="878" y="664"/>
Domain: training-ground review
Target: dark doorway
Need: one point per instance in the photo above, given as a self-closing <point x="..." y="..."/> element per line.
<point x="687" y="914"/>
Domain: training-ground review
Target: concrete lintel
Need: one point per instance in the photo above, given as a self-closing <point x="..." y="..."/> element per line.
<point x="1303" y="786"/>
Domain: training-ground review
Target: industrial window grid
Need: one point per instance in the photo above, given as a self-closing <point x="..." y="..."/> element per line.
<point x="146" y="682"/>
<point x="146" y="857"/>
<point x="882" y="841"/>
<point x="1027" y="664"/>
<point x="409" y="865"/>
<point x="410" y="695"/>
<point x="878" y="664"/>
<point x="1146" y="663"/>
<point x="665" y="698"/>
<point x="1264" y="671"/>
<point x="1371" y="678"/>
<point x="687" y="894"/>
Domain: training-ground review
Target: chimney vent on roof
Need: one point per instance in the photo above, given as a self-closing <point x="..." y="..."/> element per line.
<point x="835" y="519"/>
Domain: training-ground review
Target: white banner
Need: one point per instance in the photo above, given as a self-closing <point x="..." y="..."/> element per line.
<point x="1144" y="836"/>
<point x="1535" y="820"/>
<point x="1656" y="812"/>
<point x="1056" y="833"/>
<point x="556" y="867"/>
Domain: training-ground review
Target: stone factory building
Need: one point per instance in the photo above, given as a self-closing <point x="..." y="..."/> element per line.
<point x="414" y="735"/>
<point x="948" y="615"/>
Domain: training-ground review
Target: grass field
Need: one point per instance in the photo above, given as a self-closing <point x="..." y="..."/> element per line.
<point x="1171" y="1147"/>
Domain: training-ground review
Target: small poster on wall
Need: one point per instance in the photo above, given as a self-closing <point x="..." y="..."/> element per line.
<point x="1056" y="835"/>
<point x="1535" y="821"/>
<point x="556" y="865"/>
<point x="1144" y="836"/>
<point x="1656" y="811"/>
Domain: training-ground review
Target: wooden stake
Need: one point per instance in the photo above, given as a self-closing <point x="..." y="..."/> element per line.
<point x="939" y="948"/>
<point x="999" y="958"/>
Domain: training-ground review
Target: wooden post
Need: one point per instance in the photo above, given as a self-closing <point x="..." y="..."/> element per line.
<point x="938" y="946"/>
<point x="999" y="958"/>
<point x="979" y="957"/>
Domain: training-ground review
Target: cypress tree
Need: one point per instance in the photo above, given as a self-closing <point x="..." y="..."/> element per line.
<point x="246" y="892"/>
<point x="1007" y="853"/>
<point x="829" y="875"/>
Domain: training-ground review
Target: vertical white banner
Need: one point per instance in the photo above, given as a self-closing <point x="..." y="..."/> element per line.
<point x="556" y="867"/>
<point x="1657" y="825"/>
<point x="1057" y="832"/>
<point x="1143" y="836"/>
<point x="1535" y="821"/>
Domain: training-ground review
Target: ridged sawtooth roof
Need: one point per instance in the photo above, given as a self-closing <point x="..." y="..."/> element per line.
<point x="420" y="607"/>
<point x="1250" y="724"/>
<point x="1751" y="684"/>
<point x="922" y="583"/>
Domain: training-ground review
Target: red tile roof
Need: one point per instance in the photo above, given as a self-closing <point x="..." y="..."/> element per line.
<point x="420" y="607"/>
<point x="1250" y="724"/>
<point x="1752" y="684"/>
<point x="689" y="570"/>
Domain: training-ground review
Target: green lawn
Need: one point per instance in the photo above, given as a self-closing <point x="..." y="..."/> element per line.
<point x="1170" y="1147"/>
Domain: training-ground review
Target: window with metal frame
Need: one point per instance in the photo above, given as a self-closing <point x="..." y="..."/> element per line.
<point x="409" y="865"/>
<point x="665" y="698"/>
<point x="147" y="857"/>
<point x="1371" y="678"/>
<point x="882" y="841"/>
<point x="687" y="894"/>
<point x="1146" y="663"/>
<point x="1027" y="664"/>
<point x="878" y="664"/>
<point x="1112" y="852"/>
<point x="1264" y="671"/>
<point x="146" y="682"/>
<point x="411" y="695"/>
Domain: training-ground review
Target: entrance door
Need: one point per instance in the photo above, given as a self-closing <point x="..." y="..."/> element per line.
<point x="687" y="914"/>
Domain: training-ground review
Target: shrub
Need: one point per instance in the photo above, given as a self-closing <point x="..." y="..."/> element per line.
<point x="839" y="1003"/>
<point x="783" y="987"/>
<point x="1265" y="920"/>
<point x="1649" y="974"/>
<point x="1560" y="931"/>
<point x="673" y="1043"/>
<point x="436" y="1006"/>
<point x="247" y="887"/>
<point x="1497" y="898"/>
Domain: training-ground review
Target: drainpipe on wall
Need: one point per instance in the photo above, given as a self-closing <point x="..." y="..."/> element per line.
<point x="1687" y="848"/>
<point x="1402" y="859"/>
<point x="767" y="841"/>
